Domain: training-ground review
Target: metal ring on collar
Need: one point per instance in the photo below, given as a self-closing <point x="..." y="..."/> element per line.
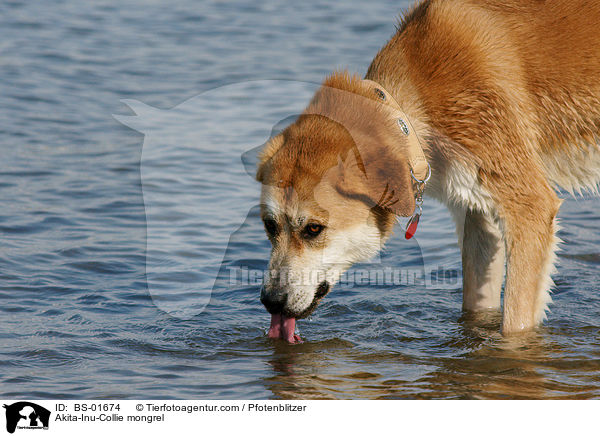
<point x="426" y="178"/>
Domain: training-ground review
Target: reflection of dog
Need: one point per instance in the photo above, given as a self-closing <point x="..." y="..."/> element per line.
<point x="500" y="100"/>
<point x="29" y="412"/>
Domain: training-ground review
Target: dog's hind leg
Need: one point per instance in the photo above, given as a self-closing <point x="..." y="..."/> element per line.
<point x="482" y="261"/>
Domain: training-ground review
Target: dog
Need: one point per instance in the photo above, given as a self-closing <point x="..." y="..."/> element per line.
<point x="487" y="106"/>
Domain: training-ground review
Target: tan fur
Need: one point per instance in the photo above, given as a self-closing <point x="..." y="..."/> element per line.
<point x="506" y="97"/>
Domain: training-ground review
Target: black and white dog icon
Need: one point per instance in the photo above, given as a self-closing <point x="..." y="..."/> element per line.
<point x="26" y="414"/>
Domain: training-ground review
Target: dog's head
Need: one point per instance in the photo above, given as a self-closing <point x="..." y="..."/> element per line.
<point x="333" y="183"/>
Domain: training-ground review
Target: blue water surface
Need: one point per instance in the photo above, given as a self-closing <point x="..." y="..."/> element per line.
<point x="109" y="234"/>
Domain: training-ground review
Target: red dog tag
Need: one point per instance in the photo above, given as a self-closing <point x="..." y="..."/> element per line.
<point x="411" y="228"/>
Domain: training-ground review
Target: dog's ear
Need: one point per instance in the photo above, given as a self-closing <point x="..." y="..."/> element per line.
<point x="269" y="149"/>
<point x="378" y="177"/>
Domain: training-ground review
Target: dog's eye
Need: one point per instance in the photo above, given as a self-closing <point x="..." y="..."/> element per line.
<point x="313" y="230"/>
<point x="271" y="227"/>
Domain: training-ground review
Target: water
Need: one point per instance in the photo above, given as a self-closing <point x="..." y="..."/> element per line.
<point x="82" y="316"/>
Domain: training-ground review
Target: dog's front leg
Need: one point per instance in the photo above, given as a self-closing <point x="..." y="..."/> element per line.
<point x="482" y="250"/>
<point x="530" y="235"/>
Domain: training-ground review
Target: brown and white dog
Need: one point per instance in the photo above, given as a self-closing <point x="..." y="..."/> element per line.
<point x="498" y="101"/>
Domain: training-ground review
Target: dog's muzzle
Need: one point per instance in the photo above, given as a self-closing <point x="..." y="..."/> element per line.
<point x="283" y="323"/>
<point x="273" y="302"/>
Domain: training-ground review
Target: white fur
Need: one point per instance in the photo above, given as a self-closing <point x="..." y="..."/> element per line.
<point x="270" y="200"/>
<point x="306" y="271"/>
<point x="546" y="284"/>
<point x="458" y="215"/>
<point x="575" y="170"/>
<point x="460" y="190"/>
<point x="301" y="271"/>
<point x="462" y="187"/>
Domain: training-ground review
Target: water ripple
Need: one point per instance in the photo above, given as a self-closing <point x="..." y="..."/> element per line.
<point x="78" y="318"/>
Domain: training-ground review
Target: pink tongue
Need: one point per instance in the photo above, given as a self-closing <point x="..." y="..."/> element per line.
<point x="283" y="327"/>
<point x="288" y="325"/>
<point x="275" y="329"/>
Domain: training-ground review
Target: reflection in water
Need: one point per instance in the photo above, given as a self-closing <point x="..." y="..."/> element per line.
<point x="484" y="366"/>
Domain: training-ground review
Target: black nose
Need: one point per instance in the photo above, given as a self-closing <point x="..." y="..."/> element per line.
<point x="273" y="301"/>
